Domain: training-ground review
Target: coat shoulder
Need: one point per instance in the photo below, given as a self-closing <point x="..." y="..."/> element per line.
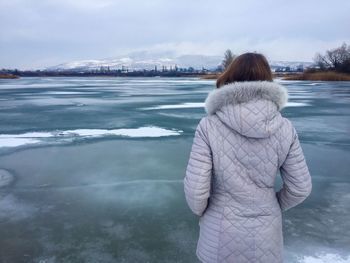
<point x="207" y="127"/>
<point x="208" y="123"/>
<point x="208" y="120"/>
<point x="287" y="128"/>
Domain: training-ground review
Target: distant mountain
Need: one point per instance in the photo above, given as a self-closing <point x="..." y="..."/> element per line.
<point x="140" y="63"/>
<point x="292" y="64"/>
<point x="149" y="60"/>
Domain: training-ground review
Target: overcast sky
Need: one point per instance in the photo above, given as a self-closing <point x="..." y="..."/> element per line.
<point x="40" y="33"/>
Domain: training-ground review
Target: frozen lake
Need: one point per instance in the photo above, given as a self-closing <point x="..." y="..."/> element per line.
<point x="91" y="169"/>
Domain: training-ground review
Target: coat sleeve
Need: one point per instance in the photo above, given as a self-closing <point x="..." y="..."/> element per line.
<point x="295" y="175"/>
<point x="197" y="180"/>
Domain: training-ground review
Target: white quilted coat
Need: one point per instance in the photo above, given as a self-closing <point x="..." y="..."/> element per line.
<point x="237" y="151"/>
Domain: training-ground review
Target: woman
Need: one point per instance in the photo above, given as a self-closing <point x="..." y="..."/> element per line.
<point x="237" y="151"/>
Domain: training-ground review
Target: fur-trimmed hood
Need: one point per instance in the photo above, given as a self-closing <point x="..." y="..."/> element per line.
<point x="240" y="92"/>
<point x="251" y="108"/>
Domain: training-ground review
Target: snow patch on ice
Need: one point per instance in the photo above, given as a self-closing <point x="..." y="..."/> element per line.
<point x="177" y="106"/>
<point x="311" y="84"/>
<point x="15" y="140"/>
<point x="69" y="93"/>
<point x="201" y="105"/>
<point x="325" y="258"/>
<point x="138" y="132"/>
<point x="297" y="104"/>
<point x="27" y="135"/>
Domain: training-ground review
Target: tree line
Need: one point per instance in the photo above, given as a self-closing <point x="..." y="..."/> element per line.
<point x="336" y="59"/>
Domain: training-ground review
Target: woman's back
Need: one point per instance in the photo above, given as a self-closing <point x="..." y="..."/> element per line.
<point x="237" y="152"/>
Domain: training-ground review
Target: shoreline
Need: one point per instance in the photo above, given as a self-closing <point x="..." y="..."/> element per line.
<point x="306" y="76"/>
<point x="320" y="76"/>
<point x="8" y="76"/>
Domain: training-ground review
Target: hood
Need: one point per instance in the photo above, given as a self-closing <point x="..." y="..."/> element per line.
<point x="250" y="108"/>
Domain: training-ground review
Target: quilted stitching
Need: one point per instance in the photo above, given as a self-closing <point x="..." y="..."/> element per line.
<point x="236" y="154"/>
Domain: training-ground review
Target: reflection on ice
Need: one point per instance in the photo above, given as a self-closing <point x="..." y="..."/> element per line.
<point x="6" y="178"/>
<point x="12" y="209"/>
<point x="100" y="185"/>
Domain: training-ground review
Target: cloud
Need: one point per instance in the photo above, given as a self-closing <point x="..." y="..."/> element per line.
<point x="85" y="4"/>
<point x="292" y="49"/>
<point x="41" y="33"/>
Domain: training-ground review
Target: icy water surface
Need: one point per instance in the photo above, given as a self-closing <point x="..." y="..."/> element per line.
<point x="91" y="169"/>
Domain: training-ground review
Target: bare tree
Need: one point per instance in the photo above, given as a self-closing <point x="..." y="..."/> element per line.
<point x="335" y="59"/>
<point x="321" y="61"/>
<point x="228" y="58"/>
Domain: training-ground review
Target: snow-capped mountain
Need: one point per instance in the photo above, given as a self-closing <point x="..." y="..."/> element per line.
<point x="291" y="64"/>
<point x="149" y="60"/>
<point x="139" y="63"/>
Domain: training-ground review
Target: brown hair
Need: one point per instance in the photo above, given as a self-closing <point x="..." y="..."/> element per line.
<point x="246" y="67"/>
